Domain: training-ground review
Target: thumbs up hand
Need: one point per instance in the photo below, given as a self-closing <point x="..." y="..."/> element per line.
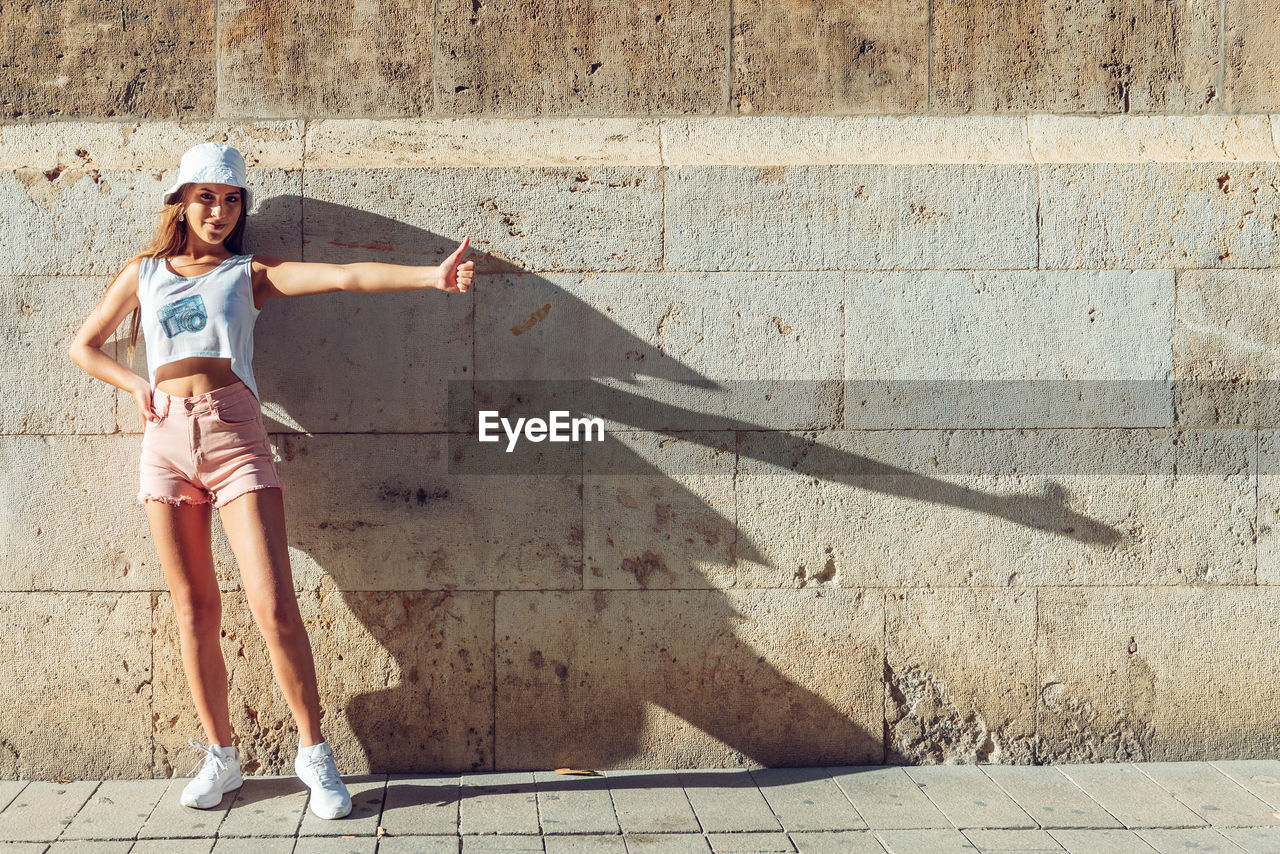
<point x="456" y="278"/>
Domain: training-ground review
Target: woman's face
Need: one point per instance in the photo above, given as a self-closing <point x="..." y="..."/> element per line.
<point x="213" y="210"/>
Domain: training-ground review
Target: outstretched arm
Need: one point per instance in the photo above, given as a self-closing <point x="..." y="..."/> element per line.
<point x="296" y="278"/>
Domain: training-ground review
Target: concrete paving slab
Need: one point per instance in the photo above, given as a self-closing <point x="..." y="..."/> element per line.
<point x="171" y="820"/>
<point x="259" y="845"/>
<point x="9" y="790"/>
<point x="1000" y="839"/>
<point x="1172" y="841"/>
<point x="366" y="792"/>
<point x="933" y="841"/>
<point x="1048" y="796"/>
<point x="267" y="806"/>
<point x="98" y="846"/>
<point x="501" y="844"/>
<point x="24" y="847"/>
<point x="968" y="798"/>
<point x="887" y="798"/>
<point x="806" y="799"/>
<point x="42" y="810"/>
<point x="837" y="842"/>
<point x="579" y="805"/>
<point x="1101" y="841"/>
<point x="418" y="845"/>
<point x="1259" y="776"/>
<point x="498" y="803"/>
<point x="172" y="846"/>
<point x="597" y="844"/>
<point x="651" y="802"/>
<point x="1211" y="794"/>
<point x="666" y="843"/>
<point x="421" y="804"/>
<point x="1131" y="796"/>
<point x="727" y="800"/>
<point x="336" y="845"/>
<point x="117" y="809"/>
<point x="750" y="843"/>
<point x="1255" y="840"/>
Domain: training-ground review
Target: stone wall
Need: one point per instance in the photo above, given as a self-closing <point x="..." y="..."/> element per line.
<point x="939" y="433"/>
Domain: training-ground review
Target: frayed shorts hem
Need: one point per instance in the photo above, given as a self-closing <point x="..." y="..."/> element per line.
<point x="175" y="501"/>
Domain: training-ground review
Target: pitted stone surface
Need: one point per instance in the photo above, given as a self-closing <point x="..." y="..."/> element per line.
<point x="385" y="512"/>
<point x="850" y="217"/>
<point x="972" y="702"/>
<point x="1251" y="76"/>
<point x="86" y="678"/>
<point x="536" y="219"/>
<point x="300" y="59"/>
<point x="1159" y="216"/>
<point x="1124" y="696"/>
<point x="601" y="57"/>
<point x="668" y="529"/>
<point x="45" y="392"/>
<point x="823" y="58"/>
<point x="966" y="508"/>
<point x="1028" y="57"/>
<point x="711" y="678"/>
<point x="144" y="58"/>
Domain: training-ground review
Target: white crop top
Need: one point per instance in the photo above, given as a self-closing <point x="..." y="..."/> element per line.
<point x="211" y="314"/>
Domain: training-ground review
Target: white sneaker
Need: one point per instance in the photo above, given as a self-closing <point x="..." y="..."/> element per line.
<point x="220" y="774"/>
<point x="329" y="796"/>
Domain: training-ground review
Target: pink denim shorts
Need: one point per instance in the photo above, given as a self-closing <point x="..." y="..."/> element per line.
<point x="211" y="447"/>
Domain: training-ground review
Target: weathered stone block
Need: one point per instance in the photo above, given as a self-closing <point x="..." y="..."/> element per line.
<point x="304" y="59"/>
<point x="45" y="392"/>
<point x="850" y="217"/>
<point x="970" y="702"/>
<point x="1226" y="348"/>
<point x="774" y="140"/>
<point x="83" y="678"/>
<point x="70" y="521"/>
<point x="153" y="145"/>
<point x="1156" y="674"/>
<point x="1008" y="349"/>
<point x="73" y="222"/>
<point x="666" y="352"/>
<point x="674" y="527"/>
<point x="1063" y="57"/>
<point x="147" y="58"/>
<point x="1251" y="76"/>
<point x="661" y="679"/>
<point x="602" y="57"/>
<point x="390" y="512"/>
<point x="997" y="508"/>
<point x="830" y="58"/>
<point x="405" y="683"/>
<point x="1160" y="215"/>
<point x="536" y="141"/>
<point x="1268" y="524"/>
<point x="550" y="218"/>
<point x="1148" y="139"/>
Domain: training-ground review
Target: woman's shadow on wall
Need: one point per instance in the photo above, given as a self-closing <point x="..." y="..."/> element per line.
<point x="511" y="680"/>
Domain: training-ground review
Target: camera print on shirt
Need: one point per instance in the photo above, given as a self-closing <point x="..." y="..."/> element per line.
<point x="185" y="315"/>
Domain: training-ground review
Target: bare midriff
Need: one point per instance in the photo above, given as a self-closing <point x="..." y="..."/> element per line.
<point x="196" y="375"/>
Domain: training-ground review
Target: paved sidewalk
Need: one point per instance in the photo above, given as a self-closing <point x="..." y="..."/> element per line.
<point x="1230" y="806"/>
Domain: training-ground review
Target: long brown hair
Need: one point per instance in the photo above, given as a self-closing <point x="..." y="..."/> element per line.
<point x="170" y="239"/>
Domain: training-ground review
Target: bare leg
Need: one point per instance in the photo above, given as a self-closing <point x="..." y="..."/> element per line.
<point x="254" y="523"/>
<point x="181" y="536"/>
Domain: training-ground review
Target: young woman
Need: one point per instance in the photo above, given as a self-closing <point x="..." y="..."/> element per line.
<point x="196" y="298"/>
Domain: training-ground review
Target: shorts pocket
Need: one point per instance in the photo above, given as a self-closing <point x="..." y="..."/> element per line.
<point x="242" y="409"/>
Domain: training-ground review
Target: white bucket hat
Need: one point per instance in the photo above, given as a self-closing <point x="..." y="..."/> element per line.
<point x="211" y="163"/>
